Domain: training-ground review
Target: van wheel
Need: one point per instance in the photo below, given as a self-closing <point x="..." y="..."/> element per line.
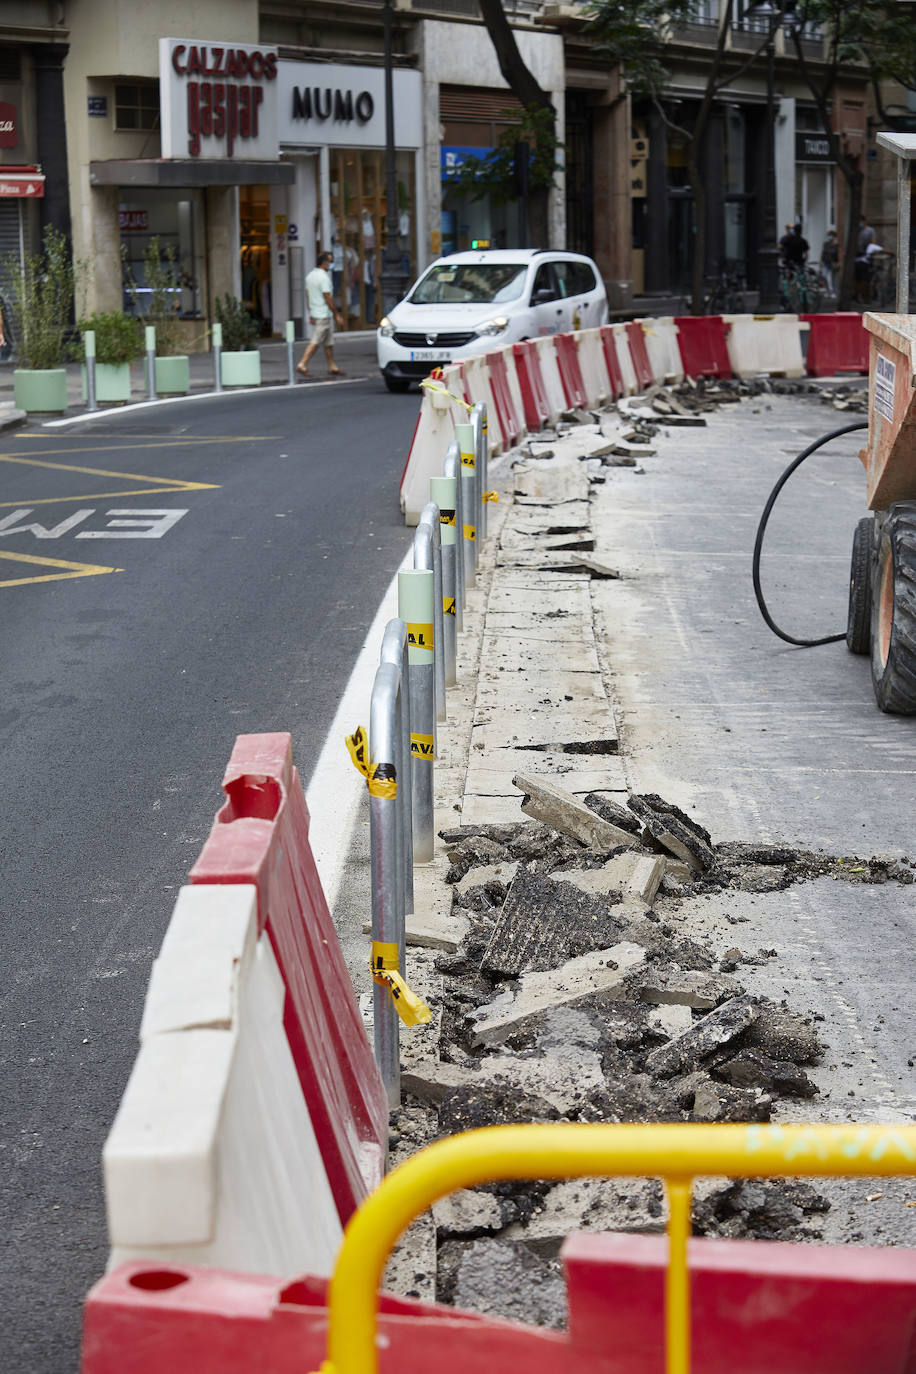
<point x="395" y="383"/>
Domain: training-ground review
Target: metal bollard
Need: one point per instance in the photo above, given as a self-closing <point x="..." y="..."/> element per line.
<point x="427" y="553"/>
<point x="415" y="607"/>
<point x="442" y="493"/>
<point x="387" y="887"/>
<point x="89" y="347"/>
<point x="394" y="650"/>
<point x="465" y="437"/>
<point x="151" y="362"/>
<point x="451" y="468"/>
<point x="290" y="360"/>
<point x="217" y="356"/>
<point x="482" y="452"/>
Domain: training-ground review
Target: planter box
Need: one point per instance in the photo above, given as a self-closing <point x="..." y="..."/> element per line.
<point x="241" y="369"/>
<point x="173" y="376"/>
<point x="40" y="391"/>
<point x="112" y="382"/>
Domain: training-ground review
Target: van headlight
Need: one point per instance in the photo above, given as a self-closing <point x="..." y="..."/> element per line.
<point x="386" y="328"/>
<point x="493" y="327"/>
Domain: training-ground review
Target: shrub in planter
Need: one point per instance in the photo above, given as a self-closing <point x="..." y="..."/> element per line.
<point x="241" y="362"/>
<point x="118" y="343"/>
<point x="41" y="292"/>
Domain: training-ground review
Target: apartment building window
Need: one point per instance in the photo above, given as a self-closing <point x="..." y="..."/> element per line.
<point x="137" y="106"/>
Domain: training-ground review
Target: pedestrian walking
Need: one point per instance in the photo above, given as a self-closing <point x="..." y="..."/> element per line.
<point x="866" y="236"/>
<point x="322" y="314"/>
<point x="830" y="260"/>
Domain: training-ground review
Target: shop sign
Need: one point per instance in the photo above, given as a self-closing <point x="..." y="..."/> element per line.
<point x="24" y="183"/>
<point x="217" y="100"/>
<point x="133" y="221"/>
<point x="8" y="134"/>
<point x="452" y="158"/>
<point x="339" y="106"/>
<point x="812" y="147"/>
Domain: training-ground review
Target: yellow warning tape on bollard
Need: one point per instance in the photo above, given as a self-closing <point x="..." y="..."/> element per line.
<point x="382" y="778"/>
<point x="383" y="966"/>
<point x="429" y="385"/>
<point x="489" y="496"/>
<point x="448" y="605"/>
<point x="422" y="746"/>
<point x="419" y="634"/>
<point x="470" y="532"/>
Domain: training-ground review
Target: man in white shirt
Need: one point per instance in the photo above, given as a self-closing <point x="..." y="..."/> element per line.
<point x="322" y="313"/>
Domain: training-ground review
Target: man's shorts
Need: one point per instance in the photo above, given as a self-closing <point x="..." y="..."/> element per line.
<point x="323" y="331"/>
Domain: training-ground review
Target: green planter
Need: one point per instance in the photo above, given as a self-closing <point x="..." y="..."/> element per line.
<point x="112" y="382"/>
<point x="37" y="392"/>
<point x="173" y="375"/>
<point x="241" y="369"/>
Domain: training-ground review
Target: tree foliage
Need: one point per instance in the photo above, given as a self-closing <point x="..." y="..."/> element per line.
<point x="494" y="175"/>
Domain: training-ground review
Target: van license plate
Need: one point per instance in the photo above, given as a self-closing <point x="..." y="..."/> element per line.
<point x="430" y="355"/>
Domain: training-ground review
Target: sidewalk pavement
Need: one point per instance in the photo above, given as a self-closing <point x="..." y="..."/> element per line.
<point x="354" y="354"/>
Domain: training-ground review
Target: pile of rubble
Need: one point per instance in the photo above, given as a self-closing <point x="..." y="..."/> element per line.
<point x="570" y="999"/>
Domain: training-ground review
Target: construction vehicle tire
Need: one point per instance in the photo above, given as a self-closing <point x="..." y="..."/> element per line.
<point x="893" y="618"/>
<point x="858" y="619"/>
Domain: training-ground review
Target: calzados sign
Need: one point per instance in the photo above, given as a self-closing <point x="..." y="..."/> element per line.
<point x="215" y="97"/>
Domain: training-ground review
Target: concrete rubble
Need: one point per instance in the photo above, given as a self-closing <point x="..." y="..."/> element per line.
<point x="567" y="985"/>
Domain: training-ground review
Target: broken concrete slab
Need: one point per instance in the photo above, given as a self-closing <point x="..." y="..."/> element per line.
<point x="784" y="1035"/>
<point x="633" y="874"/>
<point x="672" y="1019"/>
<point x="487" y="873"/>
<point x="753" y="1069"/>
<point x="566" y="1076"/>
<point x="430" y="1079"/>
<point x="703" y="1038"/>
<point x="502" y="1278"/>
<point x="549" y="485"/>
<point x="557" y="807"/>
<point x="592" y="1204"/>
<point x="544" y="923"/>
<point x="721" y="1102"/>
<point x="601" y="971"/>
<point x="469" y="1213"/>
<point x="609" y="809"/>
<point x="411" y="1267"/>
<point x="692" y="988"/>
<point x="674" y="831"/>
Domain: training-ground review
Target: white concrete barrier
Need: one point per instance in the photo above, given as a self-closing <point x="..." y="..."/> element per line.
<point x="765" y="343"/>
<point x="591" y="364"/>
<point x="625" y="360"/>
<point x="434" y="431"/>
<point x="547" y="357"/>
<point x="212" y="1158"/>
<point x="660" y="335"/>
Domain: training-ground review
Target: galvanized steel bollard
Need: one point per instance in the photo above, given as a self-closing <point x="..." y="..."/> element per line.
<point x="451" y="468"/>
<point x="290" y="360"/>
<point x="415" y="607"/>
<point x="217" y="356"/>
<point x="465" y="436"/>
<point x="394" y="650"/>
<point x="427" y="553"/>
<point x="482" y="451"/>
<point x="387" y="871"/>
<point x="89" y="354"/>
<point x="442" y="494"/>
<point x="151" y="362"/>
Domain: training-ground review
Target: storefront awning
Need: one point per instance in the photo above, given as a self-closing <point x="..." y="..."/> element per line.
<point x="21" y="185"/>
<point x="173" y="172"/>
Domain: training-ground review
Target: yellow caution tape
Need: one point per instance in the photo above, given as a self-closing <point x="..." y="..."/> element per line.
<point x="382" y="778"/>
<point x="470" y="532"/>
<point x="448" y="605"/>
<point x="467" y="461"/>
<point x="431" y="385"/>
<point x="383" y="965"/>
<point x="422" y="746"/>
<point x="446" y="517"/>
<point x="486" y="496"/>
<point x="419" y="635"/>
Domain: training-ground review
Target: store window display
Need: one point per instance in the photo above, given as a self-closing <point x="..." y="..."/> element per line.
<point x="175" y="218"/>
<point x="358" y="206"/>
<point x="254" y="240"/>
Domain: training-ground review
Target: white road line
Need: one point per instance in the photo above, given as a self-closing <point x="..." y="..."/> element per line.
<point x="334" y="790"/>
<point x="134" y="406"/>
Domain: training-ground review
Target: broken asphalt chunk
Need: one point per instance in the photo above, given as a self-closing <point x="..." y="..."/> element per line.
<point x="544" y="923"/>
<point x="719" y="1028"/>
<point x="553" y="805"/>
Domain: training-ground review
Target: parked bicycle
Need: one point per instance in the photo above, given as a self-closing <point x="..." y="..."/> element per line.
<point x="801" y="289"/>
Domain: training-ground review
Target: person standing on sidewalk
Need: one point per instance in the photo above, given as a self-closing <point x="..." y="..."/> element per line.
<point x="322" y="313"/>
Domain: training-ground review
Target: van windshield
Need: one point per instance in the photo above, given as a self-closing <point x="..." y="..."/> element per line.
<point x="477" y="283"/>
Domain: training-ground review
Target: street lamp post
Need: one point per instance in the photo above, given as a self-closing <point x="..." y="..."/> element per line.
<point x="393" y="278"/>
<point x="769" y="250"/>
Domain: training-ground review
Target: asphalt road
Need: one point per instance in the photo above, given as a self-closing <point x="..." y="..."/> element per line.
<point x="133" y="654"/>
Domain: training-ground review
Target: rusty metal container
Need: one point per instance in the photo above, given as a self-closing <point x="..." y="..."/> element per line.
<point x="890" y="459"/>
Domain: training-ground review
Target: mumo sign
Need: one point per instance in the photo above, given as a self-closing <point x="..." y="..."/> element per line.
<point x="315" y="102"/>
<point x="217" y="100"/>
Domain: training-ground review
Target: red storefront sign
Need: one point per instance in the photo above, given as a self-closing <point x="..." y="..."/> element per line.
<point x="23" y="182"/>
<point x="9" y="134"/>
<point x="133" y="219"/>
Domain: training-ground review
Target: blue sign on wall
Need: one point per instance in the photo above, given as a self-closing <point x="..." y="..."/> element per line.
<point x="98" y="106"/>
<point x="451" y="158"/>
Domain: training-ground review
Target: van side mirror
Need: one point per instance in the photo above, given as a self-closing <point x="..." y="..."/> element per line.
<point x="543" y="295"/>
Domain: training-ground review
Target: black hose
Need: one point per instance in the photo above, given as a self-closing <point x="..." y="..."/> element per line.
<point x="758" y="543"/>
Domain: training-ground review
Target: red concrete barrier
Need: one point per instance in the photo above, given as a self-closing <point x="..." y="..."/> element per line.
<point x="836" y="343"/>
<point x="611" y="361"/>
<point x="261" y="837"/>
<point x="509" y="423"/>
<point x="574" y="388"/>
<point x="702" y="341"/>
<point x="531" y="383"/>
<point x="640" y="355"/>
<point x="808" y="1309"/>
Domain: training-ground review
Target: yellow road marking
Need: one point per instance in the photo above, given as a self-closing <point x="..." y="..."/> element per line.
<point x="163" y="484"/>
<point x="70" y="569"/>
